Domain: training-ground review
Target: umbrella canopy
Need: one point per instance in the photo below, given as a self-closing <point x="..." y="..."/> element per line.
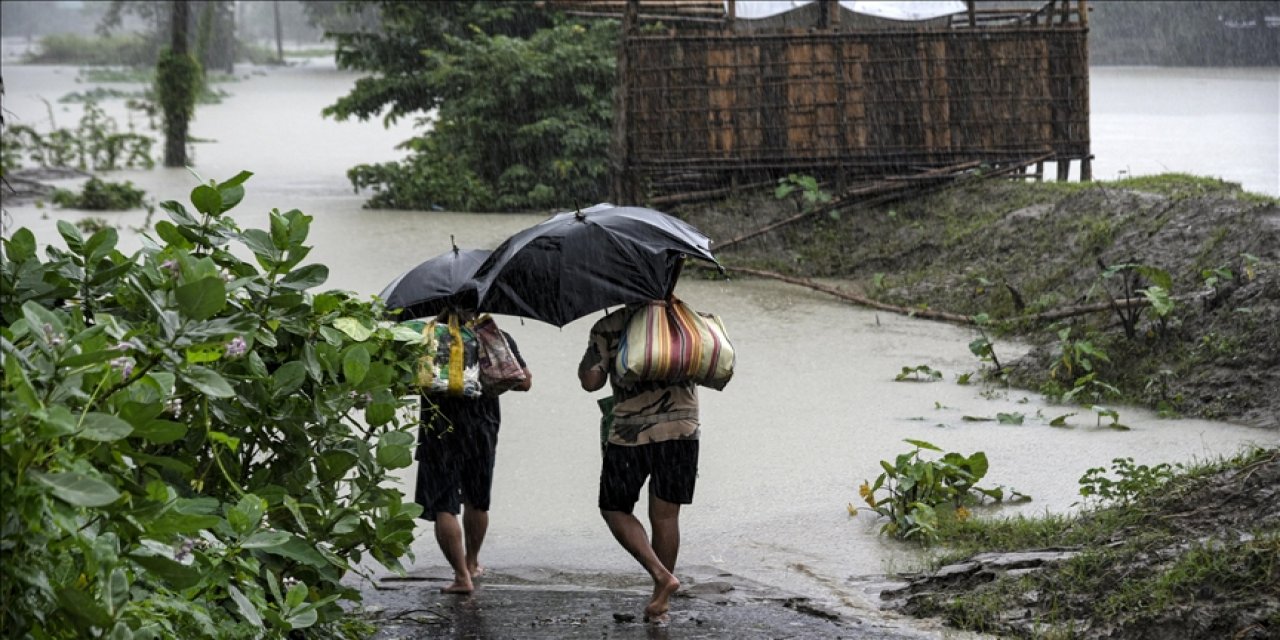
<point x="439" y="283"/>
<point x="579" y="262"/>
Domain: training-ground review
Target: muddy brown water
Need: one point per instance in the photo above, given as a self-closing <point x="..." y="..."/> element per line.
<point x="813" y="406"/>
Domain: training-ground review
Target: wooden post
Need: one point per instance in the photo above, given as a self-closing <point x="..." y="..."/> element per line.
<point x="973" y="13"/>
<point x="623" y="189"/>
<point x="1086" y="163"/>
<point x="1064" y="169"/>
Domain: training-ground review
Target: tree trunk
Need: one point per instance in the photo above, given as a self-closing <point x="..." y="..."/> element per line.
<point x="275" y="6"/>
<point x="175" y="130"/>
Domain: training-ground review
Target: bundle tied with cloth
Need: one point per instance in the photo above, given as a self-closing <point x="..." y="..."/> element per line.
<point x="668" y="340"/>
<point x="465" y="359"/>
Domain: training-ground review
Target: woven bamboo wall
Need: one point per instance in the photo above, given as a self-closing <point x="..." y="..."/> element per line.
<point x="869" y="101"/>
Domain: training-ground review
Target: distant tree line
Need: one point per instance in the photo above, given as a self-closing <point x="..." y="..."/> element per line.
<point x="1185" y="34"/>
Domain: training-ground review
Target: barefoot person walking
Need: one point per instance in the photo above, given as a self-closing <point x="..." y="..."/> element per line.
<point x="654" y="437"/>
<point x="457" y="449"/>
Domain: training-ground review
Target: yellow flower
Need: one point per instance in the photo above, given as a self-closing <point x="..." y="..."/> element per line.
<point x="865" y="492"/>
<point x="853" y="511"/>
<point x="962" y="514"/>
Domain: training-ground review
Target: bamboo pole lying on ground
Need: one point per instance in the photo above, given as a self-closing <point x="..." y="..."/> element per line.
<point x="882" y="192"/>
<point x="930" y="314"/>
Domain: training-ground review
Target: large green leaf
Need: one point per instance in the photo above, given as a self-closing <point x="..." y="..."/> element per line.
<point x="175" y="522"/>
<point x="78" y="489"/>
<point x="312" y="275"/>
<point x="178" y="576"/>
<point x="355" y="363"/>
<point x="207" y="200"/>
<point x="236" y="180"/>
<point x="208" y="382"/>
<point x="161" y="431"/>
<point x="104" y="427"/>
<point x="203" y="298"/>
<point x="288" y="378"/>
<point x="260" y="244"/>
<point x="298" y="549"/>
<point x="21" y="247"/>
<point x="266" y="539"/>
<point x="245" y="516"/>
<point x="358" y="329"/>
<point x="394" y="456"/>
<point x="245" y="607"/>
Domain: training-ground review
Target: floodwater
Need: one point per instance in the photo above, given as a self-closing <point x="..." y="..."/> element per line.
<point x="813" y="407"/>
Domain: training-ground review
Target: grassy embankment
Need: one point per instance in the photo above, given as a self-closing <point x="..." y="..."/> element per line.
<point x="1211" y="348"/>
<point x="1196" y="556"/>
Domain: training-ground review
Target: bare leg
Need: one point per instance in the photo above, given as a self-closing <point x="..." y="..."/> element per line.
<point x="449" y="537"/>
<point x="475" y="524"/>
<point x="630" y="533"/>
<point x="664" y="519"/>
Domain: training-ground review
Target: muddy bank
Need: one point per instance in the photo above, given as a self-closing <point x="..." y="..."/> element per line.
<point x="1013" y="249"/>
<point x="1197" y="559"/>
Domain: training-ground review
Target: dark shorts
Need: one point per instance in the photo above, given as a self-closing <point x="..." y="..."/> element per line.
<point x="670" y="466"/>
<point x="450" y="475"/>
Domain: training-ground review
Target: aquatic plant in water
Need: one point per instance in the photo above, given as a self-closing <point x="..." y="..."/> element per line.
<point x="918" y="492"/>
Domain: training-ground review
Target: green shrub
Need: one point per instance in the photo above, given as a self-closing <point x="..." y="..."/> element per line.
<point x="98" y="195"/>
<point x="194" y="445"/>
<point x="66" y="48"/>
<point x="522" y="123"/>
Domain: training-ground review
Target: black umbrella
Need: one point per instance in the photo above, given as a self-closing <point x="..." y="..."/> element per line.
<point x="439" y="283"/>
<point x="579" y="262"/>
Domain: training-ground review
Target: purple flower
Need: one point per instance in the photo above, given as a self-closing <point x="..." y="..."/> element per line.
<point x="124" y="365"/>
<point x="236" y="347"/>
<point x="172" y="266"/>
<point x="50" y="336"/>
<point x="122" y="346"/>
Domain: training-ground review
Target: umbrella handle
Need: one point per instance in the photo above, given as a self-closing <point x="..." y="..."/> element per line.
<point x="671" y="289"/>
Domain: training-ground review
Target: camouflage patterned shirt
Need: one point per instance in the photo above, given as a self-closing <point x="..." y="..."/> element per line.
<point x="643" y="412"/>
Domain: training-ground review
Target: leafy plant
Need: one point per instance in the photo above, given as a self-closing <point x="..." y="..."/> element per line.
<point x="98" y="195"/>
<point x="811" y="193"/>
<point x="95" y="144"/>
<point x="916" y="490"/>
<point x="983" y="347"/>
<point x="1010" y="418"/>
<point x="1214" y="276"/>
<point x="1133" y="278"/>
<point x="1250" y="268"/>
<point x="1076" y="363"/>
<point x="1130" y="482"/>
<point x="919" y="373"/>
<point x="194" y="445"/>
<point x="1104" y="412"/>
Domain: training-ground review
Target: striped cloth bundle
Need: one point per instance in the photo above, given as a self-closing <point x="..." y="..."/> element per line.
<point x="672" y="342"/>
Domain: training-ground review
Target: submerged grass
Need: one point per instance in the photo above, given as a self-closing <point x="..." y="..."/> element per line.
<point x="1173" y="549"/>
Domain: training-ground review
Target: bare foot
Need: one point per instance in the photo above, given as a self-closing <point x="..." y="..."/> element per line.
<point x="476" y="571"/>
<point x="461" y="587"/>
<point x="656" y="611"/>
